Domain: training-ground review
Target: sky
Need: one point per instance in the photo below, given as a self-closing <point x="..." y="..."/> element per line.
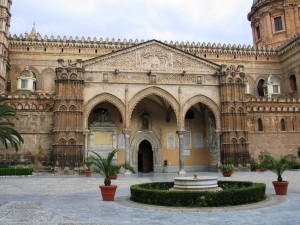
<point x="209" y="21"/>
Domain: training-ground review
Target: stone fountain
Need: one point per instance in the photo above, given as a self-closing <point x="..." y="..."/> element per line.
<point x="196" y="183"/>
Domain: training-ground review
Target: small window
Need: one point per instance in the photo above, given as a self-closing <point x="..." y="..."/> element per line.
<point x="293" y="83"/>
<point x="278" y="23"/>
<point x="282" y="125"/>
<point x="258" y="32"/>
<point x="34" y="85"/>
<point x="8" y="86"/>
<point x="145" y="123"/>
<point x="246" y="89"/>
<point x="275" y="89"/>
<point x="260" y="125"/>
<point x="24" y="83"/>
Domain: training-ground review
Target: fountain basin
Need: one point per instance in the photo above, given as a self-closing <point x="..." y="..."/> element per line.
<point x="204" y="183"/>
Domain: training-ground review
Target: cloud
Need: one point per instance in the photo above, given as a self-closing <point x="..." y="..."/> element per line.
<point x="192" y="20"/>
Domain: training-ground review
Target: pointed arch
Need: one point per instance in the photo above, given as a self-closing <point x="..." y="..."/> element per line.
<point x="206" y="101"/>
<point x="282" y="124"/>
<point x="293" y="83"/>
<point x="156" y="91"/>
<point x="260" y="124"/>
<point x="155" y="142"/>
<point x="105" y="97"/>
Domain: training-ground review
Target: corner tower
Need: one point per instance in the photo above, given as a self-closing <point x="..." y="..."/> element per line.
<point x="274" y="22"/>
<point x="5" y="16"/>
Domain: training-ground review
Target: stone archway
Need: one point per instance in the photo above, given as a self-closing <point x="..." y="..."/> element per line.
<point x="105" y="97"/>
<point x="155" y="142"/>
<point x="153" y="91"/>
<point x="206" y="101"/>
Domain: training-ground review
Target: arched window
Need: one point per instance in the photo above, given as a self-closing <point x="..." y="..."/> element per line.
<point x="260" y="125"/>
<point x="260" y="87"/>
<point x="62" y="141"/>
<point x="293" y="83"/>
<point x="72" y="141"/>
<point x="282" y="125"/>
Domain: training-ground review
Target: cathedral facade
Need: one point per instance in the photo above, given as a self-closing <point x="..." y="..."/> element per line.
<point x="165" y="106"/>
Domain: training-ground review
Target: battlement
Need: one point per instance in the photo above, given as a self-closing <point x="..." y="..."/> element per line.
<point x="31" y="102"/>
<point x="273" y="105"/>
<point x="113" y="44"/>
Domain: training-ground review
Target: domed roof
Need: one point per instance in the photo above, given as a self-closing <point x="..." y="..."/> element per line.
<point x="27" y="73"/>
<point x="272" y="79"/>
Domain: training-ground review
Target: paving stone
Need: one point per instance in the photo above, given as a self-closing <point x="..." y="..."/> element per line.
<point x="76" y="200"/>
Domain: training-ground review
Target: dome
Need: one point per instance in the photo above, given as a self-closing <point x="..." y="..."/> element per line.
<point x="272" y="80"/>
<point x="27" y="73"/>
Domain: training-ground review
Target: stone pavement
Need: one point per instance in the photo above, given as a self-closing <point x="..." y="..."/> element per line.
<point x="73" y="200"/>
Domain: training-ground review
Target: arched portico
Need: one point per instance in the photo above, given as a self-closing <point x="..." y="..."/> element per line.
<point x="105" y="97"/>
<point x="153" y="91"/>
<point x="206" y="101"/>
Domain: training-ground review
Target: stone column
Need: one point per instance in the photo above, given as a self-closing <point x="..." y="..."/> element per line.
<point x="218" y="133"/>
<point x="126" y="133"/>
<point x="181" y="151"/>
<point x="86" y="137"/>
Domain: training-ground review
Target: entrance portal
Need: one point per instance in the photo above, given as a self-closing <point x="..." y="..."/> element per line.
<point x="145" y="157"/>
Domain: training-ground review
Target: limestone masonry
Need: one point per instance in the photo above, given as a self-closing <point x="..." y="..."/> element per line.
<point x="165" y="106"/>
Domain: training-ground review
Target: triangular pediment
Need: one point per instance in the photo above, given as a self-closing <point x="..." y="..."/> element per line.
<point x="152" y="55"/>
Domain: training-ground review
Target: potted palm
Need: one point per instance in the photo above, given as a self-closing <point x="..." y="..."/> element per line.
<point x="278" y="166"/>
<point x="226" y="170"/>
<point x="88" y="162"/>
<point x="103" y="166"/>
<point x="114" y="171"/>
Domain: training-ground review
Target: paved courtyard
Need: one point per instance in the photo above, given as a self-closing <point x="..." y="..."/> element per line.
<point x="73" y="200"/>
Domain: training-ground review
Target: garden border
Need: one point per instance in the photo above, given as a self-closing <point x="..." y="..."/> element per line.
<point x="158" y="194"/>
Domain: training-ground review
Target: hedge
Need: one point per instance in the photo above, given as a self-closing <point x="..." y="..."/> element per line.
<point x="234" y="193"/>
<point x="15" y="171"/>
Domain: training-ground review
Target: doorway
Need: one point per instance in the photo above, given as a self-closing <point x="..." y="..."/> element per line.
<point x="145" y="157"/>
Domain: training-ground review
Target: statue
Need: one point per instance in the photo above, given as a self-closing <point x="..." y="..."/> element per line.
<point x="102" y="119"/>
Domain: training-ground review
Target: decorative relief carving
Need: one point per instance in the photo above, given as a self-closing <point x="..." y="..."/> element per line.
<point x="170" y="78"/>
<point x="151" y="56"/>
<point x="154" y="58"/>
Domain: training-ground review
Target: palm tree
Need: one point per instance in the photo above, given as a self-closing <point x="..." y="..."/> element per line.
<point x="277" y="166"/>
<point x="103" y="165"/>
<point x="8" y="135"/>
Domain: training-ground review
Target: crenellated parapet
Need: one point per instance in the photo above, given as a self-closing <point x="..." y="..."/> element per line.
<point x="31" y="102"/>
<point x="113" y="45"/>
<point x="271" y="105"/>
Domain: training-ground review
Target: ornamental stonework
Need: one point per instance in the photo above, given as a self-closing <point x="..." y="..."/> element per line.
<point x="153" y="56"/>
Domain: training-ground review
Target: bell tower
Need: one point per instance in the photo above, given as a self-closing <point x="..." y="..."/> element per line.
<point x="274" y="22"/>
<point x="5" y="16"/>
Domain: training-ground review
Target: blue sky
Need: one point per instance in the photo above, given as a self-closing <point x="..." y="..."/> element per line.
<point x="214" y="21"/>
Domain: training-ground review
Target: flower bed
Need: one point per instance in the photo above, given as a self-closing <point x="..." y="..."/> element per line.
<point x="234" y="193"/>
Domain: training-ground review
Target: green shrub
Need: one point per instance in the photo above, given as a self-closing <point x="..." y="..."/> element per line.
<point x="234" y="193"/>
<point x="15" y="171"/>
<point x="296" y="166"/>
<point x="4" y="166"/>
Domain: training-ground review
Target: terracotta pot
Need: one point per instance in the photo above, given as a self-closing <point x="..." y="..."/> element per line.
<point x="108" y="192"/>
<point x="227" y="174"/>
<point x="280" y="187"/>
<point x="88" y="173"/>
<point x="113" y="177"/>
